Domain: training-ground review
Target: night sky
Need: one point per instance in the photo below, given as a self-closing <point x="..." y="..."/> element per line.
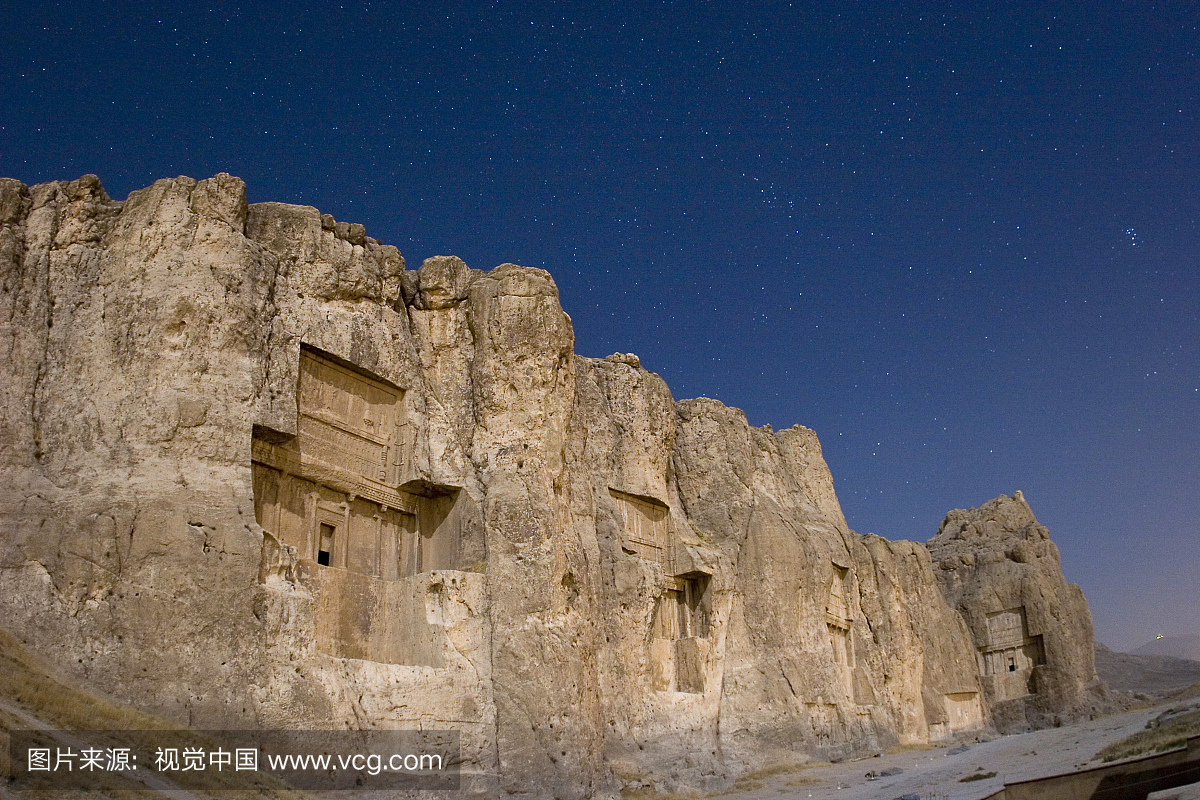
<point x="962" y="245"/>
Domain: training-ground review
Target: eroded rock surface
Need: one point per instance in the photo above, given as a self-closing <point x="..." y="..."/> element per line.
<point x="255" y="472"/>
<point x="1032" y="629"/>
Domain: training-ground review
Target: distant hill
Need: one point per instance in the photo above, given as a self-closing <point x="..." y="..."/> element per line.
<point x="1178" y="646"/>
<point x="1145" y="673"/>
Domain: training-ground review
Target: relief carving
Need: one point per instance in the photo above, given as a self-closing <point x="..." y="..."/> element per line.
<point x="644" y="526"/>
<point x="680" y="646"/>
<point x="332" y="493"/>
<point x="838" y="619"/>
<point x="1011" y="654"/>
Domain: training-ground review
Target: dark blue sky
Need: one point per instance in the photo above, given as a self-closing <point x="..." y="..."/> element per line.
<point x="961" y="244"/>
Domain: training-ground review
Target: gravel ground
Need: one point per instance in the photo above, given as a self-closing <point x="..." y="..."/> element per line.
<point x="936" y="773"/>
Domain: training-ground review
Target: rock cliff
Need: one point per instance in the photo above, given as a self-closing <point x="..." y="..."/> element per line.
<point x="997" y="566"/>
<point x="255" y="472"/>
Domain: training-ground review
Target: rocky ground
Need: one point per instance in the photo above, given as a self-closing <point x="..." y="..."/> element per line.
<point x="937" y="773"/>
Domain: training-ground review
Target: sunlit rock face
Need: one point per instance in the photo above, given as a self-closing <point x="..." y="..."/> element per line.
<point x="255" y="472"/>
<point x="1031" y="629"/>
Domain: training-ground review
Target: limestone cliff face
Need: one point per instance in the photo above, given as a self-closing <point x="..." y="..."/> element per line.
<point x="997" y="566"/>
<point x="253" y="471"/>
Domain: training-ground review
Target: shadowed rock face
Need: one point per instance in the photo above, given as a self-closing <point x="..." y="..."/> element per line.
<point x="254" y="472"/>
<point x="1031" y="628"/>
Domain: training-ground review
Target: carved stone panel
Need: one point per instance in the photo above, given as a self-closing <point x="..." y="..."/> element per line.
<point x="843" y="656"/>
<point x="838" y="620"/>
<point x="679" y="647"/>
<point x="333" y="528"/>
<point x="691" y="655"/>
<point x="332" y="493"/>
<point x="364" y="618"/>
<point x="1011" y="654"/>
<point x="644" y="526"/>
<point x="837" y="609"/>
<point x="347" y="419"/>
<point x="1007" y="628"/>
<point x="964" y="711"/>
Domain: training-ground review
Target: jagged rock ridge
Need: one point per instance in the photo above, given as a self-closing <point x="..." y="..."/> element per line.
<point x="1033" y="630"/>
<point x="256" y="472"/>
